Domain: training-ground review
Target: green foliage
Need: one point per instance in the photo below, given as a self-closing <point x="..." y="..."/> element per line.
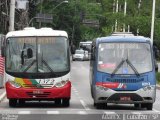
<point x="158" y="77"/>
<point x="70" y="17"/>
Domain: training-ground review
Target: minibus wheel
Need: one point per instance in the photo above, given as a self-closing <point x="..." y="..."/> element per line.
<point x="12" y="102"/>
<point x="66" y="102"/>
<point x="136" y="105"/>
<point x="149" y="106"/>
<point x="57" y="102"/>
<point x="94" y="104"/>
<point x="21" y="102"/>
<point x="101" y="105"/>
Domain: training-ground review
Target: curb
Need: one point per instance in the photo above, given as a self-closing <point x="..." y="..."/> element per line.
<point x="2" y="96"/>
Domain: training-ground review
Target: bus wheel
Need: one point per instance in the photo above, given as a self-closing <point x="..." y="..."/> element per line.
<point x="12" y="102"/>
<point x="149" y="106"/>
<point x="66" y="102"/>
<point x="94" y="104"/>
<point x="21" y="102"/>
<point x="136" y="105"/>
<point x="57" y="102"/>
<point x="101" y="105"/>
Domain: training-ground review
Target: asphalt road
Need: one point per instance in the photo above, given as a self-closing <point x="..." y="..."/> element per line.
<point x="81" y="107"/>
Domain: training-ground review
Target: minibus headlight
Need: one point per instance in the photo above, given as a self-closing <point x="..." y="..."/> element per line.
<point x="14" y="84"/>
<point x="61" y="83"/>
<point x="148" y="88"/>
<point x="102" y="88"/>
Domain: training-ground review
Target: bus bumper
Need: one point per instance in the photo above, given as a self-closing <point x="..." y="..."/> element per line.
<point x="105" y="95"/>
<point x="39" y="93"/>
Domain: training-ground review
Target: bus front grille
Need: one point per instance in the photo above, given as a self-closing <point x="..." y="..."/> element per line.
<point x="125" y="80"/>
<point x="37" y="86"/>
<point x="133" y="96"/>
<point x="38" y="95"/>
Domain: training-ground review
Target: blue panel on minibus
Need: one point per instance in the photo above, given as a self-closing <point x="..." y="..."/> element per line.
<point x="124" y="83"/>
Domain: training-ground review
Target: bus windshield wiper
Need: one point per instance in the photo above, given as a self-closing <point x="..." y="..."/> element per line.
<point x="43" y="61"/>
<point x="117" y="68"/>
<point x="25" y="70"/>
<point x="132" y="66"/>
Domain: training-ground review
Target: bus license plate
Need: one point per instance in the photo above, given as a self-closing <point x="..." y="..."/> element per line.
<point x="124" y="98"/>
<point x="45" y="81"/>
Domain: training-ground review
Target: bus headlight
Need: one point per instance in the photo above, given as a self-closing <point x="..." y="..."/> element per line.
<point x="148" y="88"/>
<point x="61" y="83"/>
<point x="101" y="88"/>
<point x="14" y="84"/>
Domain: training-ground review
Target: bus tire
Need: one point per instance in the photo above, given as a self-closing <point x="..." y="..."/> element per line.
<point x="94" y="104"/>
<point x="149" y="106"/>
<point x="66" y="102"/>
<point x="12" y="102"/>
<point x="136" y="105"/>
<point x="101" y="105"/>
<point x="57" y="102"/>
<point x="21" y="102"/>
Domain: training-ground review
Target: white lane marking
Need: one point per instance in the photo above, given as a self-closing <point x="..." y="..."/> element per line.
<point x="156" y="110"/>
<point x="53" y="112"/>
<point x="136" y="112"/>
<point x="82" y="112"/>
<point x="24" y="112"/>
<point x="2" y="96"/>
<point x="107" y="112"/>
<point x="84" y="105"/>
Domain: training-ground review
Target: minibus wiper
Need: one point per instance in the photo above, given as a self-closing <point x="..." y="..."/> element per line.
<point x="47" y="65"/>
<point x="29" y="65"/>
<point x="132" y="66"/>
<point x="117" y="68"/>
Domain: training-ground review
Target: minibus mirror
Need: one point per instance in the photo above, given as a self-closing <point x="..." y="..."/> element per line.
<point x="156" y="65"/>
<point x="3" y="51"/>
<point x="156" y="52"/>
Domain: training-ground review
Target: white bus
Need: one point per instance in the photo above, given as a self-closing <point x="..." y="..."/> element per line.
<point x="37" y="66"/>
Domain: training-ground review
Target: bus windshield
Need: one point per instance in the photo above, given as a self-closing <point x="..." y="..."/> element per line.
<point x="124" y="58"/>
<point x="37" y="55"/>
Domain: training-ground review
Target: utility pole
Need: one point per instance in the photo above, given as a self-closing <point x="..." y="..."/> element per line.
<point x="125" y="8"/>
<point x="116" y="19"/>
<point x="139" y="6"/>
<point x="73" y="27"/>
<point x="40" y="23"/>
<point x="12" y="15"/>
<point x="153" y="18"/>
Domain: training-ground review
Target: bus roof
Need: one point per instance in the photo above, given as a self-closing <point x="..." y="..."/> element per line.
<point x="123" y="39"/>
<point x="31" y="31"/>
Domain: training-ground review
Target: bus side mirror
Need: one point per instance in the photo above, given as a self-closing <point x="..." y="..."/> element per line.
<point x="156" y="52"/>
<point x="3" y="51"/>
<point x="2" y="45"/>
<point x="29" y="53"/>
<point x="156" y="65"/>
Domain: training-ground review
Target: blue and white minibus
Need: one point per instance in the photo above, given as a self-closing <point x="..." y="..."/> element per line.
<point x="122" y="70"/>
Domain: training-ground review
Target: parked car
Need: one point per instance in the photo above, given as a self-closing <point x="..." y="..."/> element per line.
<point x="80" y="55"/>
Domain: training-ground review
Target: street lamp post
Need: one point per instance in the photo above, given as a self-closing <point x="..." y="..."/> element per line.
<point x="52" y="10"/>
<point x="66" y="1"/>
